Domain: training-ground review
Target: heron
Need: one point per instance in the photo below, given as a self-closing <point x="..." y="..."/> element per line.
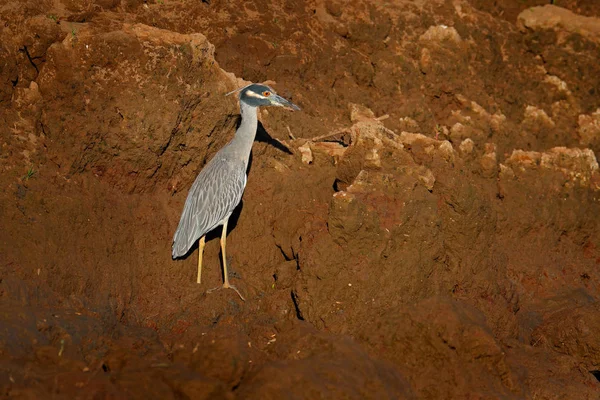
<point x="219" y="186"/>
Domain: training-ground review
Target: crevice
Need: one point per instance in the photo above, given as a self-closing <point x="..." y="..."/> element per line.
<point x="285" y="256"/>
<point x="451" y="347"/>
<point x="333" y="83"/>
<point x="338" y="186"/>
<point x="296" y="306"/>
<point x="596" y="374"/>
<point x="24" y="50"/>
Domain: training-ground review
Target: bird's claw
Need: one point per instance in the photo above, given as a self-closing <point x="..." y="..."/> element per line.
<point x="226" y="286"/>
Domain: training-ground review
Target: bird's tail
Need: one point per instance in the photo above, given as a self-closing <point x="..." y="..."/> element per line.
<point x="180" y="245"/>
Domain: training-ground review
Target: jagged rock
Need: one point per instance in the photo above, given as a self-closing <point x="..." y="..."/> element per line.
<point x="334" y="150"/>
<point x="374" y="174"/>
<point x="589" y="128"/>
<point x="473" y="121"/>
<point x="536" y="119"/>
<point x="424" y="148"/>
<point x="558" y="18"/>
<point x="488" y="161"/>
<point x="558" y="83"/>
<point x="370" y="145"/>
<point x="576" y="165"/>
<point x="495" y="121"/>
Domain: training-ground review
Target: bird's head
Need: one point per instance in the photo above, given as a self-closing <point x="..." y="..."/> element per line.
<point x="258" y="95"/>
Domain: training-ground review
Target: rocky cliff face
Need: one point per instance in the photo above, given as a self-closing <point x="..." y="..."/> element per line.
<point x="426" y="227"/>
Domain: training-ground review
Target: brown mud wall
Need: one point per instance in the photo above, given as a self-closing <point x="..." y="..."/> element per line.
<point x="426" y="227"/>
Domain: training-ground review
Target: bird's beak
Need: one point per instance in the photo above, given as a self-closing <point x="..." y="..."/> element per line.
<point x="279" y="101"/>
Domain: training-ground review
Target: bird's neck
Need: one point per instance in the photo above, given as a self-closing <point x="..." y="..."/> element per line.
<point x="244" y="136"/>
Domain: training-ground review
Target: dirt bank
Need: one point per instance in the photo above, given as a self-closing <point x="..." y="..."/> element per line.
<point x="426" y="227"/>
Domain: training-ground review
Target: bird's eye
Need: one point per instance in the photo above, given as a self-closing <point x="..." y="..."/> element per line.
<point x="266" y="93"/>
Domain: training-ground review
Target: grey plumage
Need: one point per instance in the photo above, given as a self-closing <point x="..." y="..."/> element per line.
<point x="212" y="198"/>
<point x="219" y="186"/>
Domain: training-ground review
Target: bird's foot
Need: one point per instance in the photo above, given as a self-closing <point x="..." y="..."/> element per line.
<point x="226" y="285"/>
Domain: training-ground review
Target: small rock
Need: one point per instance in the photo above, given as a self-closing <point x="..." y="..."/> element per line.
<point x="558" y="83"/>
<point x="535" y="117"/>
<point x="589" y="127"/>
<point x="441" y="33"/>
<point x="466" y="146"/>
<point x="446" y="150"/>
<point x="306" y="153"/>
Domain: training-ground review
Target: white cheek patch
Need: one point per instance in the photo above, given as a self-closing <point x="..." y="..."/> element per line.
<point x="250" y="93"/>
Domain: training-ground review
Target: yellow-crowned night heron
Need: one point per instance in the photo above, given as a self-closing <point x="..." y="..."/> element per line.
<point x="219" y="186"/>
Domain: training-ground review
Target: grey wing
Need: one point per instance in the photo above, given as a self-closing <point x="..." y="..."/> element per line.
<point x="214" y="195"/>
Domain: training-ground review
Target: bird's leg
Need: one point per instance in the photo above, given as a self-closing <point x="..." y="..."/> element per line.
<point x="226" y="284"/>
<point x="200" y="252"/>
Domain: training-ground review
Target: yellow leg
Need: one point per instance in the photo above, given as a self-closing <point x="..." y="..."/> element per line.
<point x="226" y="284"/>
<point x="223" y="246"/>
<point x="200" y="252"/>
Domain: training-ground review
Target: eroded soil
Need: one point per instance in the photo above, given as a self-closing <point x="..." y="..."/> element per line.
<point x="426" y="227"/>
